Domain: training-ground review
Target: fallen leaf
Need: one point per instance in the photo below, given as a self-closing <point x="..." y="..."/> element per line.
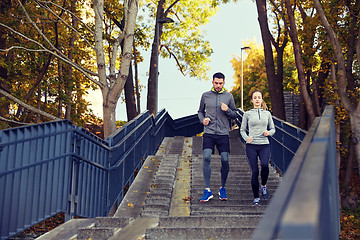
<point x="187" y="199"/>
<point x="130" y="205"/>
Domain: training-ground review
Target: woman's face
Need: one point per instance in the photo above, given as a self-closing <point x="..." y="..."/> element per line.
<point x="257" y="99"/>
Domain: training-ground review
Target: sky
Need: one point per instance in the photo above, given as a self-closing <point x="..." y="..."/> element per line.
<point x="232" y="26"/>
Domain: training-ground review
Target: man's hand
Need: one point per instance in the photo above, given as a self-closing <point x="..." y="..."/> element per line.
<point x="206" y="121"/>
<point x="224" y="107"/>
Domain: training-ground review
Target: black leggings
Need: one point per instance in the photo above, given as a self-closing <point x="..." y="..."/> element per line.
<point x="254" y="151"/>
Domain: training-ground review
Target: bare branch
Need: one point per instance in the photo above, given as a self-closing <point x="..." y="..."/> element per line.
<point x="12" y="121"/>
<point x="87" y="73"/>
<point x="64" y="9"/>
<point x="68" y="25"/>
<point x="39" y="31"/>
<point x="27" y="106"/>
<point x="177" y="61"/>
<point x="169" y="8"/>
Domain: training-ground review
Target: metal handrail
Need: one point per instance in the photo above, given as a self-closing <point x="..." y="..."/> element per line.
<point x="83" y="165"/>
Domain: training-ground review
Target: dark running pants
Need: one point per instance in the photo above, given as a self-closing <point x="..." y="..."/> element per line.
<point x="253" y="152"/>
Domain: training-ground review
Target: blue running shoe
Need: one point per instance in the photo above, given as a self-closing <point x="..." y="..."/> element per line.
<point x="207" y="196"/>
<point x="265" y="193"/>
<point x="256" y="202"/>
<point x="222" y="194"/>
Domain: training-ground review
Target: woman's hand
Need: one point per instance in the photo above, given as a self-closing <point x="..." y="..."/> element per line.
<point x="249" y="140"/>
<point x="266" y="133"/>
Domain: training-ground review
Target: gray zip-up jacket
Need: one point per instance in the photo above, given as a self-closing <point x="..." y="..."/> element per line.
<point x="257" y="121"/>
<point x="210" y="106"/>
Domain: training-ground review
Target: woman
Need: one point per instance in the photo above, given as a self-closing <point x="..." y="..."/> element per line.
<point x="260" y="125"/>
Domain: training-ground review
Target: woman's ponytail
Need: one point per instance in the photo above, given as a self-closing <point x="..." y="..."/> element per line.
<point x="263" y="105"/>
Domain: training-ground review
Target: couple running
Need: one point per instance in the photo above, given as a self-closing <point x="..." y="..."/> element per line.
<point x="217" y="107"/>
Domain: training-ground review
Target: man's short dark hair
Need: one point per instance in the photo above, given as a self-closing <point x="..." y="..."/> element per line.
<point x="219" y="75"/>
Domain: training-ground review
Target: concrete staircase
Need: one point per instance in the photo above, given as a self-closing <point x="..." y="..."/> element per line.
<point x="164" y="200"/>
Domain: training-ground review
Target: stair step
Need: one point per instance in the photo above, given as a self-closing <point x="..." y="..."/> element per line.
<point x="199" y="233"/>
<point x="96" y="233"/>
<point x="235" y="218"/>
<point x="210" y="221"/>
<point x="230" y="202"/>
<point x="112" y="222"/>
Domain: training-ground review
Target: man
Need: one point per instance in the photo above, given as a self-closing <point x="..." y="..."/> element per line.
<point x="217" y="106"/>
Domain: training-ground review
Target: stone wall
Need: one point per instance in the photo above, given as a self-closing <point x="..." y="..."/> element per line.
<point x="292" y="102"/>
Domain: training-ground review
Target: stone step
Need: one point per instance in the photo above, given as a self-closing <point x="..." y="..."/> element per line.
<point x="185" y="233"/>
<point x="245" y="201"/>
<point x="225" y="212"/>
<point x="115" y="222"/>
<point x="160" y="201"/>
<point x="154" y="213"/>
<point x="219" y="207"/>
<point x="199" y="176"/>
<point x="96" y="233"/>
<point x="210" y="221"/>
<point x="235" y="218"/>
<point x="242" y="189"/>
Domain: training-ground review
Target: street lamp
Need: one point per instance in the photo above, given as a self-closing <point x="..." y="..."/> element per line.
<point x="242" y="78"/>
<point x="160" y="21"/>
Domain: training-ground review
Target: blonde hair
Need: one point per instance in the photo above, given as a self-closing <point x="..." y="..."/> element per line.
<point x="263" y="103"/>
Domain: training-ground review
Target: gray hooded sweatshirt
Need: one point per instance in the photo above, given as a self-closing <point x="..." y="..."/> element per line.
<point x="257" y="121"/>
<point x="210" y="106"/>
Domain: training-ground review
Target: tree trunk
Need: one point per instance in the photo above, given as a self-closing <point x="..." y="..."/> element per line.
<point x="355" y="130"/>
<point x="111" y="90"/>
<point x="130" y="97"/>
<point x="303" y="117"/>
<point x="298" y="61"/>
<point x="152" y="95"/>
<point x="109" y="118"/>
<point x="349" y="165"/>
<point x="60" y="89"/>
<point x="274" y="82"/>
<point x="69" y="69"/>
<point x="136" y="78"/>
<point x="5" y="106"/>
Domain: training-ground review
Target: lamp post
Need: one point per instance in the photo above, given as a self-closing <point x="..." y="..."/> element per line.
<point x="242" y="78"/>
<point x="160" y="21"/>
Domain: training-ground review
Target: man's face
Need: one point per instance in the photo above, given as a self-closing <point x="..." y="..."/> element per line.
<point x="218" y="84"/>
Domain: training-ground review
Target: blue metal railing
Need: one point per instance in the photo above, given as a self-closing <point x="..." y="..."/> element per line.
<point x="283" y="144"/>
<point x="57" y="167"/>
<point x="306" y="203"/>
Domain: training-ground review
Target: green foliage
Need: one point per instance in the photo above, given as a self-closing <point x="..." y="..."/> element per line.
<point x="183" y="40"/>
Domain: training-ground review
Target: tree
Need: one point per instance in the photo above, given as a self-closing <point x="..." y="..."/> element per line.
<point x="255" y="77"/>
<point x="111" y="69"/>
<point x="345" y="73"/>
<point x="274" y="77"/>
<point x="183" y="42"/>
